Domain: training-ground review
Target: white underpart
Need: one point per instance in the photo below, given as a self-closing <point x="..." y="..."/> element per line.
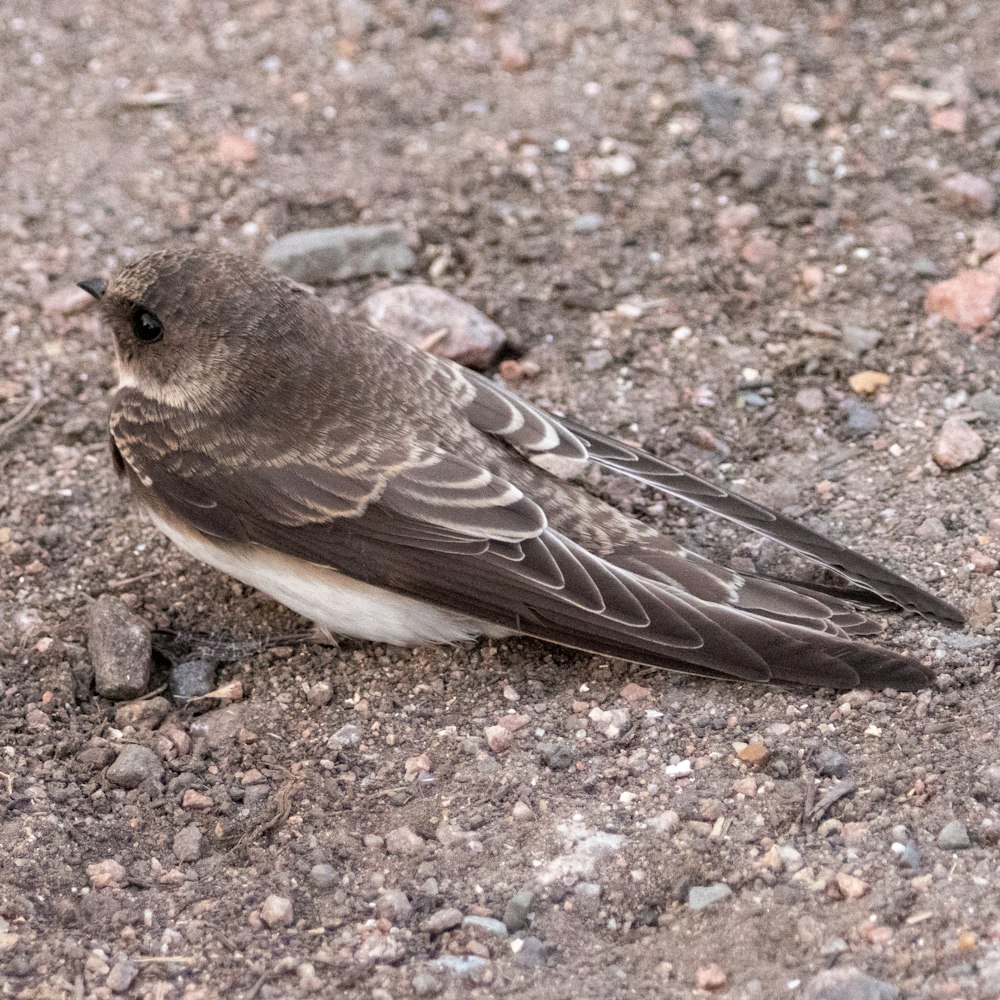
<point x="344" y="606"/>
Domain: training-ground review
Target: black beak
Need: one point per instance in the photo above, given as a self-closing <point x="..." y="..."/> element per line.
<point x="95" y="286"/>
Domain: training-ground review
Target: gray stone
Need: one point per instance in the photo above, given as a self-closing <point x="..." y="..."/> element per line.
<point x="954" y="836"/>
<point x="832" y="763"/>
<point x="517" y="914"/>
<point x="470" y="967"/>
<point x="426" y="985"/>
<point x="277" y="911"/>
<point x="442" y="920"/>
<point x="587" y="222"/>
<point x="859" y="339"/>
<point x="187" y="843"/>
<point x="220" y="727"/>
<point x="122" y="975"/>
<point x="988" y="404"/>
<point x="595" y="361"/>
<point x="484" y="928"/>
<point x="420" y="314"/>
<point x="323" y="876"/>
<point x="192" y="679"/>
<point x="702" y="896"/>
<point x="120" y="648"/>
<point x="393" y="906"/>
<point x="531" y="954"/>
<point x="557" y="755"/>
<point x="587" y="897"/>
<point x="134" y="765"/>
<point x="860" y="419"/>
<point x="347" y="736"/>
<point x="323" y="256"/>
<point x="848" y="984"/>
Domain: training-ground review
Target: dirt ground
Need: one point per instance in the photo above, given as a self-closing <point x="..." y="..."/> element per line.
<point x="699" y="220"/>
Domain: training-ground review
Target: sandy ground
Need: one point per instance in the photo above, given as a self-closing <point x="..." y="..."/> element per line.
<point x="699" y="219"/>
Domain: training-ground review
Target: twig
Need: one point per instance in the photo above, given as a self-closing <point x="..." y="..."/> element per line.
<point x="838" y="791"/>
<point x="35" y="402"/>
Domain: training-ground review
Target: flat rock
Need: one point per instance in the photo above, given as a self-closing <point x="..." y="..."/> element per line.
<point x="484" y="928"/>
<point x="422" y="315"/>
<point x="120" y="649"/>
<point x="848" y="984"/>
<point x="700" y="897"/>
<point x="323" y="256"/>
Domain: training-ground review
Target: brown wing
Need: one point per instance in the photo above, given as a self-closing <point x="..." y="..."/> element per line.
<point x="535" y="433"/>
<point x="441" y="527"/>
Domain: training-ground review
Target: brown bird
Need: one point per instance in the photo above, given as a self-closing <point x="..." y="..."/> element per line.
<point x="394" y="496"/>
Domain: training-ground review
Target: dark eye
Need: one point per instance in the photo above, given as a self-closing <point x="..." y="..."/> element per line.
<point x="146" y="325"/>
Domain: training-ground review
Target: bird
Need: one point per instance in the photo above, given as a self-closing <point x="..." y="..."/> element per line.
<point x="394" y="496"/>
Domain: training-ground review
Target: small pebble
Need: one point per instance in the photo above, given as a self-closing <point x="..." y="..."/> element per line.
<point x="556" y="755"/>
<point x="832" y="763"/>
<point x="522" y="813"/>
<point x="120" y="648"/>
<point x="516" y="915"/>
<point x="710" y="977"/>
<point x="587" y="222"/>
<point x="484" y="928"/>
<point x="236" y="149"/>
<point x="393" y="906"/>
<point x="106" y="874"/>
<point x="323" y="876"/>
<point x="442" y="920"/>
<point x="134" y="765"/>
<point x="754" y="755"/>
<point x="324" y="256"/>
<point x="956" y="445"/>
<point x="431" y="317"/>
<point x="702" y="896"/>
<point x="531" y="954"/>
<point x="970" y="299"/>
<point x="498" y="738"/>
<point x="142" y="715"/>
<point x="403" y="840"/>
<point x="847" y="983"/>
<point x="192" y="679"/>
<point x="277" y="911"/>
<point x="810" y="400"/>
<point x="219" y="727"/>
<point x="861" y="419"/>
<point x="850" y="886"/>
<point x="954" y="836"/>
<point x="426" y="985"/>
<point x="187" y="843"/>
<point x="347" y="736"/>
<point x="122" y="975"/>
<point x="966" y="192"/>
